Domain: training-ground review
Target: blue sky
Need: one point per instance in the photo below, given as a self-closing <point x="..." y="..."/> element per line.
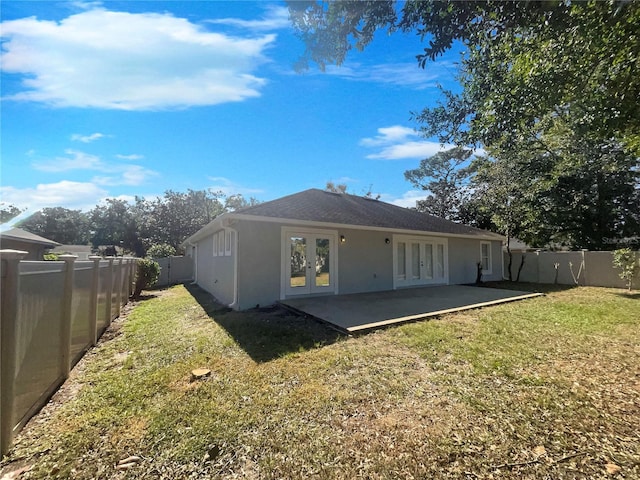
<point x="117" y="99"/>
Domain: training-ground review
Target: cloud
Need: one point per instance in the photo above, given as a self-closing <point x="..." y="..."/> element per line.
<point x="120" y="174"/>
<point x="397" y="143"/>
<point x="133" y="156"/>
<point x="408" y="74"/>
<point x="276" y="17"/>
<point x="129" y="61"/>
<point x="76" y="161"/>
<point x="229" y="187"/>
<point x="407" y="200"/>
<point x="126" y="175"/>
<point x="68" y="194"/>
<point x="76" y="137"/>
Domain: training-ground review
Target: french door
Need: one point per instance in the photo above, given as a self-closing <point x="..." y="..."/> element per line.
<point x="309" y="262"/>
<point x="419" y="261"/>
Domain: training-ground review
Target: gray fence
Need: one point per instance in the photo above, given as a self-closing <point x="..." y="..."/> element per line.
<point x="51" y="313"/>
<point x="566" y="268"/>
<point x="174" y="270"/>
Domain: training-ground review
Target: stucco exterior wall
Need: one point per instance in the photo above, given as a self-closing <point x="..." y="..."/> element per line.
<point x="365" y="261"/>
<point x="259" y="244"/>
<point x="215" y="274"/>
<point x="464" y="254"/>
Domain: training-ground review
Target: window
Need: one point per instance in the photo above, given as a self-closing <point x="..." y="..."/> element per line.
<point x="215" y="244"/>
<point x="485" y="257"/>
<point x="227" y="243"/>
<point x="221" y="243"/>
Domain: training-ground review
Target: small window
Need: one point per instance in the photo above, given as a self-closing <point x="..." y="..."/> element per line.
<point x="221" y="243"/>
<point x="215" y="244"/>
<point x="227" y="243"/>
<point x="485" y="257"/>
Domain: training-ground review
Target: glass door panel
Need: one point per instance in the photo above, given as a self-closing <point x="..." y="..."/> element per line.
<point x="402" y="261"/>
<point x="415" y="261"/>
<point x="323" y="262"/>
<point x="298" y="248"/>
<point x="440" y="260"/>
<point x="428" y="260"/>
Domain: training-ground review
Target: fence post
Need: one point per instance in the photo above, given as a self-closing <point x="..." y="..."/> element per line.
<point x="109" y="290"/>
<point x="65" y="325"/>
<point x="133" y="263"/>
<point x="10" y="312"/>
<point x="93" y="302"/>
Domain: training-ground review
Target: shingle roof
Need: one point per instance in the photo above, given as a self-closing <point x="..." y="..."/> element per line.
<point x="327" y="207"/>
<point x="24" y="236"/>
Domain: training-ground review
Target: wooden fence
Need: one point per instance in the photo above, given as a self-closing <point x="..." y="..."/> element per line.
<point x="51" y="314"/>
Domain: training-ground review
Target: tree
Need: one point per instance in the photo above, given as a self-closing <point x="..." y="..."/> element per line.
<point x="628" y="261"/>
<point x="336" y="188"/>
<point x="237" y="202"/>
<point x="7" y="212"/>
<point x="114" y="223"/>
<point x="549" y="85"/>
<point x="444" y="176"/>
<point x="70" y="227"/>
<point x="160" y="250"/>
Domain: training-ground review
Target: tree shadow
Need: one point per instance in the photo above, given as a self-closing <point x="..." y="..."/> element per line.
<point x="266" y="333"/>
<point x="527" y="286"/>
<point x="634" y="295"/>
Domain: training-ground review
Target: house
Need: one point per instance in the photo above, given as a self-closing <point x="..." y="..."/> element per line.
<point x="323" y="243"/>
<point x="18" y="239"/>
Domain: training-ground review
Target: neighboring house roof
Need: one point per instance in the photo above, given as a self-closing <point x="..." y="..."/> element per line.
<point x="322" y="207"/>
<point x="28" y="237"/>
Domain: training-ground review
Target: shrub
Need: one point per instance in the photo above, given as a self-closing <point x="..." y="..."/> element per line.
<point x="146" y="275"/>
<point x="51" y="257"/>
<point x="161" y="250"/>
<point x="627" y="260"/>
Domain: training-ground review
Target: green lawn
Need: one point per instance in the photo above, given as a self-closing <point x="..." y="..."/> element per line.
<point x="544" y="388"/>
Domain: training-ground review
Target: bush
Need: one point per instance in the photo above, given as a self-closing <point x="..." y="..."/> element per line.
<point x="146" y="275"/>
<point x="161" y="250"/>
<point x="627" y="260"/>
<point x="51" y="257"/>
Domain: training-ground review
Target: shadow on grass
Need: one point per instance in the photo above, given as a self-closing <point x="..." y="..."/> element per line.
<point x="635" y="295"/>
<point x="266" y="333"/>
<point x="528" y="286"/>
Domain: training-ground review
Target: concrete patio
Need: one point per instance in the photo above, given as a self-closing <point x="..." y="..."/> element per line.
<point x="363" y="311"/>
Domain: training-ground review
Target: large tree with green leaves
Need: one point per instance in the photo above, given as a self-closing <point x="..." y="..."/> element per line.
<point x="59" y="224"/>
<point x="549" y="87"/>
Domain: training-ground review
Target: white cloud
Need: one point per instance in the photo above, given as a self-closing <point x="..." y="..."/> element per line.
<point x="229" y="187"/>
<point x="76" y="161"/>
<point x="129" y="61"/>
<point x="76" y="137"/>
<point x="127" y="175"/>
<point x="407" y="200"/>
<point x="398" y="143"/>
<point x="133" y="156"/>
<point x="276" y="17"/>
<point x="68" y="194"/>
<point x="407" y="74"/>
<point x="119" y="174"/>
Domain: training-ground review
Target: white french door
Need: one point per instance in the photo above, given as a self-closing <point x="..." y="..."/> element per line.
<point x="309" y="262"/>
<point x="419" y="261"/>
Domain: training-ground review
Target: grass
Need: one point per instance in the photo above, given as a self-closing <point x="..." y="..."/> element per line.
<point x="545" y="388"/>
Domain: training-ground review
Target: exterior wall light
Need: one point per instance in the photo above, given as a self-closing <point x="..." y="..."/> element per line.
<point x="342" y="239"/>
<point x="387" y="241"/>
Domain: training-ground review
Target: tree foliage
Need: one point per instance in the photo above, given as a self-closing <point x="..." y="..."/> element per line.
<point x="629" y="262"/>
<point x="549" y="89"/>
<point x="7" y="212"/>
<point x="160" y="250"/>
<point x="445" y="176"/>
<point x="69" y="227"/>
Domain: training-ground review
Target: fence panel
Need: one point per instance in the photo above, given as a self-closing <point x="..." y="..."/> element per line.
<point x="38" y="345"/>
<point x="174" y="270"/>
<point x="104" y="309"/>
<point x="51" y="313"/>
<point x="81" y="317"/>
<point x="573" y="268"/>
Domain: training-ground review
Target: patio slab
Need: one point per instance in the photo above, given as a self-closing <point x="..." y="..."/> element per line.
<point x="362" y="311"/>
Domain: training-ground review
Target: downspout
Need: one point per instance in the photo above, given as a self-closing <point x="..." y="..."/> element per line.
<point x="234" y="254"/>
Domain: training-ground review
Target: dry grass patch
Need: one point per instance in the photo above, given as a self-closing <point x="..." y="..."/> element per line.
<point x="545" y="388"/>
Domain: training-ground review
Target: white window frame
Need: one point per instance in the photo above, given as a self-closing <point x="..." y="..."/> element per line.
<point x="221" y="243"/>
<point x="215" y="244"/>
<point x="489" y="270"/>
